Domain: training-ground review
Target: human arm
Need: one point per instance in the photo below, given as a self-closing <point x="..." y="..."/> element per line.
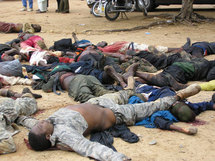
<point x="64" y="147"/>
<point x="26" y="121"/>
<point x="121" y="57"/>
<point x="201" y="106"/>
<point x="43" y="63"/>
<point x="11" y="51"/>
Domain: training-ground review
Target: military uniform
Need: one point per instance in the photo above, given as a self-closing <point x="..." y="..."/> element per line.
<point x="84" y="87"/>
<point x="10" y="110"/>
<point x="69" y="129"/>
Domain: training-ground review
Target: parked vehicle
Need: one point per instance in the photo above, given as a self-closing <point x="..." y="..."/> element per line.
<point x="98" y="9"/>
<point x="152" y="4"/>
<point x="114" y="7"/>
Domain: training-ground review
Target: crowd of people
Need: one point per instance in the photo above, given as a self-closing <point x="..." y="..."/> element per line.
<point x="114" y="82"/>
<point x="62" y="6"/>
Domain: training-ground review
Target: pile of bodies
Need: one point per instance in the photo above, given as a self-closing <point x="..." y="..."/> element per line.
<point x="116" y="83"/>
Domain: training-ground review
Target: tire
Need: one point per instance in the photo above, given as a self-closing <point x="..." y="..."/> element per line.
<point x="139" y="7"/>
<point x="150" y="5"/>
<point x="95" y="10"/>
<point x="110" y="16"/>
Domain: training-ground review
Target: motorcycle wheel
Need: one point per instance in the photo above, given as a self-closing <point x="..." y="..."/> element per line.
<point x="111" y="16"/>
<point x="141" y="5"/>
<point x="97" y="11"/>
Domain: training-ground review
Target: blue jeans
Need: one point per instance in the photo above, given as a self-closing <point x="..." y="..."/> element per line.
<point x="24" y="3"/>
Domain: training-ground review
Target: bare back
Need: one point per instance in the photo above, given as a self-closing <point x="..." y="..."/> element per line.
<point x="98" y="118"/>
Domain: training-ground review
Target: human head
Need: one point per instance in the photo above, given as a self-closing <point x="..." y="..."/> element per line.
<point x="182" y="112"/>
<point x="51" y="59"/>
<point x="40" y="134"/>
<point x="37" y="28"/>
<point x="102" y="44"/>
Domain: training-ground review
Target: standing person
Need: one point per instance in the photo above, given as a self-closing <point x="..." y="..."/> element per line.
<point x="24" y="3"/>
<point x="64" y="6"/>
<point x="58" y="5"/>
<point x="42" y="5"/>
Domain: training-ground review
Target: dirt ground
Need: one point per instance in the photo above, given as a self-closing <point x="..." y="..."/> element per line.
<point x="171" y="146"/>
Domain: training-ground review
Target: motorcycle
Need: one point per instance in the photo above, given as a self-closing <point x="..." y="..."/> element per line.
<point x="114" y="7"/>
<point x="97" y="7"/>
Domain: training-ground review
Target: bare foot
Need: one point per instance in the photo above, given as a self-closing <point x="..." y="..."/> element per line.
<point x="130" y="71"/>
<point x="130" y="83"/>
<point x="116" y="76"/>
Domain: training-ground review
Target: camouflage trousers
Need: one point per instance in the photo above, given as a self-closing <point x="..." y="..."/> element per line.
<point x="131" y="113"/>
<point x="7" y="144"/>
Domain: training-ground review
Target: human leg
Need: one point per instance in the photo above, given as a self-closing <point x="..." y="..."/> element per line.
<point x="7" y="145"/>
<point x="66" y="6"/>
<point x="161" y="79"/>
<point x="116" y="76"/>
<point x="110" y="99"/>
<point x="30" y="4"/>
<point x="130" y="113"/>
<point x="130" y="71"/>
<point x="26" y="105"/>
<point x="61" y="6"/>
<point x="153" y="79"/>
<point x="42" y="5"/>
<point x="58" y="5"/>
<point x="74" y="36"/>
<point x="189" y="91"/>
<point x="24" y="3"/>
<point x="79" y="89"/>
<point x="96" y="87"/>
<point x="5" y="93"/>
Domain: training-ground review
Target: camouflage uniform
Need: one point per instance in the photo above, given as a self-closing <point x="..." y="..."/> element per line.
<point x="131" y="113"/>
<point x="10" y="110"/>
<point x="69" y="129"/>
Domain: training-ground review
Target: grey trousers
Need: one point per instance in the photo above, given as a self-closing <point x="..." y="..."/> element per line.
<point x="131" y="113"/>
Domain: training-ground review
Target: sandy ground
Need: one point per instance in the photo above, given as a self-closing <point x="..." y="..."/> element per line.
<point x="171" y="146"/>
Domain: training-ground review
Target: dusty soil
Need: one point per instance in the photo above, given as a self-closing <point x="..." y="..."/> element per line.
<point x="170" y="145"/>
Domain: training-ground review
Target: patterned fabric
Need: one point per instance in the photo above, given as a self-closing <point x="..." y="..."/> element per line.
<point x="7" y="27"/>
<point x="131" y="113"/>
<point x="9" y="111"/>
<point x="69" y="130"/>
